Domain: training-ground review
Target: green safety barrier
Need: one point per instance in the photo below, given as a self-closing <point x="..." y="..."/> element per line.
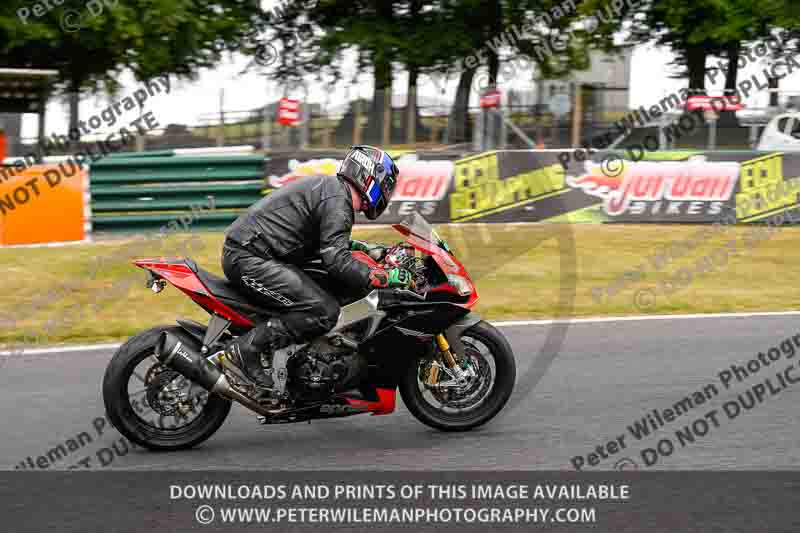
<point x="126" y="170"/>
<point x="154" y="223"/>
<point x="144" y="192"/>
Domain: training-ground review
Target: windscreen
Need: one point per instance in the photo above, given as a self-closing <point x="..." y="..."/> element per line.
<point x="419" y="228"/>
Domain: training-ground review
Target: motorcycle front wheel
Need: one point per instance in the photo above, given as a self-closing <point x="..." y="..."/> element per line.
<point x="489" y="363"/>
<point x="154" y="406"/>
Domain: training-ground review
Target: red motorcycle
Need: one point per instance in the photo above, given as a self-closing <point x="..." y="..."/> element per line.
<point x="171" y="387"/>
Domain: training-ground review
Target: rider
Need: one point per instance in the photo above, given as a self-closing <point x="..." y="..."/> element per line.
<point x="303" y="220"/>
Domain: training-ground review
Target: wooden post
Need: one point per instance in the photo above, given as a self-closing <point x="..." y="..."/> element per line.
<point x="357" y="122"/>
<point x="3" y="145"/>
<point x="387" y="116"/>
<point x="305" y="114"/>
<point x="42" y="122"/>
<point x="221" y="130"/>
<point x="577" y="117"/>
<point x="266" y="130"/>
<point x="411" y="134"/>
<point x="435" y="129"/>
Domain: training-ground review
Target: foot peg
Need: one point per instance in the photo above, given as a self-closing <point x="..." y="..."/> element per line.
<point x="247" y="361"/>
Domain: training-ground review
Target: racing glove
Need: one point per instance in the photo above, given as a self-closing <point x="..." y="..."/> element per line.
<point x="375" y="251"/>
<point x="394" y="278"/>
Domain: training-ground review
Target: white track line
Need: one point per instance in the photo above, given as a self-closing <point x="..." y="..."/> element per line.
<point x="499" y="324"/>
<point x="635" y="318"/>
<point x="63" y="349"/>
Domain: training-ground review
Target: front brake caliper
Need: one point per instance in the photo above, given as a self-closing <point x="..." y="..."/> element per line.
<point x="433" y="374"/>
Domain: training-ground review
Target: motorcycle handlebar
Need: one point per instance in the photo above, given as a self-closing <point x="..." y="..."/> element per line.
<point x="389" y="297"/>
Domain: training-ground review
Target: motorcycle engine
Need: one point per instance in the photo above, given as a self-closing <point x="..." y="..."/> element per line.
<point x="324" y="368"/>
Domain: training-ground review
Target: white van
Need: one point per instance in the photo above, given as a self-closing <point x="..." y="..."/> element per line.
<point x="782" y="133"/>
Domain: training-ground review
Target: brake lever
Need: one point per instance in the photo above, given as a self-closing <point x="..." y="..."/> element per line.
<point x="416" y="295"/>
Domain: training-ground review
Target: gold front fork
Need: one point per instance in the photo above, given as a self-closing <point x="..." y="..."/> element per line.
<point x="447" y="356"/>
<point x="444" y="347"/>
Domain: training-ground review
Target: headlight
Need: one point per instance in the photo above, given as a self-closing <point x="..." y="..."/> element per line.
<point x="461" y="284"/>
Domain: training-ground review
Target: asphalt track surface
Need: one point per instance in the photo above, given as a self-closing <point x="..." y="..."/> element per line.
<point x="606" y="376"/>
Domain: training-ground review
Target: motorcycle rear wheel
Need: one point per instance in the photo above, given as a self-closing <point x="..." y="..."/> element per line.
<point x="473" y="404"/>
<point x="151" y="431"/>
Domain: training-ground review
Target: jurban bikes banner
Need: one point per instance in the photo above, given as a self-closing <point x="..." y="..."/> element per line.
<point x="690" y="186"/>
<point x="534" y="186"/>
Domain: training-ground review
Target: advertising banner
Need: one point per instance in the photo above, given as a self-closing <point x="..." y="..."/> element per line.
<point x="695" y="190"/>
<point x="689" y="187"/>
<point x="511" y="186"/>
<point x="533" y="186"/>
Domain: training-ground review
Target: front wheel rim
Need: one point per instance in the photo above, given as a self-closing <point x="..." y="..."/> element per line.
<point x="462" y="401"/>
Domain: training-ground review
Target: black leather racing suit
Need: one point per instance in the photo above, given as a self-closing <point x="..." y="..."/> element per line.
<point x="307" y="219"/>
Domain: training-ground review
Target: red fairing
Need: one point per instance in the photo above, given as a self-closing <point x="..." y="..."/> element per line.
<point x="445" y="260"/>
<point x="384" y="406"/>
<point x="181" y="276"/>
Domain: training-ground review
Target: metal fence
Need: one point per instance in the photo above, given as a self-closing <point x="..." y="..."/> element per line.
<point x="515" y="126"/>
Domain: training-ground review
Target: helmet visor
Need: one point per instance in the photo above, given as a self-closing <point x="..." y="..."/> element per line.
<point x="354" y="171"/>
<point x="389" y="180"/>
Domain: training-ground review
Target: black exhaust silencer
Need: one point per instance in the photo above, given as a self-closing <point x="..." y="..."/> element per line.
<point x="175" y="354"/>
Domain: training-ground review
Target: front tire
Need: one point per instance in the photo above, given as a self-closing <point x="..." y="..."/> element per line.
<point x="417" y="396"/>
<point x="153" y="430"/>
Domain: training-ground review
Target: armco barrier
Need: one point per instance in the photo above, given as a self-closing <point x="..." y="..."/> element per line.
<point x="144" y="192"/>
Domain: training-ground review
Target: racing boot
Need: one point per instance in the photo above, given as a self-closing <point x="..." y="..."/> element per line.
<point x="245" y="352"/>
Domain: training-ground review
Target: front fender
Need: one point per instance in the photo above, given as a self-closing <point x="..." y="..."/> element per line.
<point x="453" y="333"/>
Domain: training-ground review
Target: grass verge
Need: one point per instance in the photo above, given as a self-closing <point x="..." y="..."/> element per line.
<point x="91" y="292"/>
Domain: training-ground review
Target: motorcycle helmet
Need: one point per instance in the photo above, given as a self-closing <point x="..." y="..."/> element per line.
<point x="373" y="174"/>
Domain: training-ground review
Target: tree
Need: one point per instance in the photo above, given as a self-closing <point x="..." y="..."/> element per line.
<point x="423" y="36"/>
<point x="506" y="30"/>
<point x="421" y="22"/>
<point x="368" y="27"/>
<point x="381" y="34"/>
<point x="695" y="30"/>
<point x="91" y="47"/>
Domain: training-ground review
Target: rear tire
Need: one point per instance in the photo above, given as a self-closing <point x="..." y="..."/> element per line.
<point x="504" y="378"/>
<point x="122" y="415"/>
